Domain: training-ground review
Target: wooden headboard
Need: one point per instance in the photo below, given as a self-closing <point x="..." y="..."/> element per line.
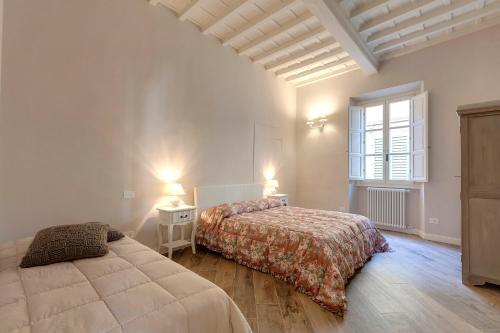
<point x="209" y="196"/>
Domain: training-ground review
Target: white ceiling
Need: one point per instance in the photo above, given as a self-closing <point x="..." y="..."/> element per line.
<point x="304" y="41"/>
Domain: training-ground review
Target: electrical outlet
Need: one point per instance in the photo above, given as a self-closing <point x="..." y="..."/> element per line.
<point x="433" y="220"/>
<point x="128" y="194"/>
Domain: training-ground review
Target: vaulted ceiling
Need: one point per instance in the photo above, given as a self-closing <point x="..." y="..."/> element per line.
<point x="304" y="41"/>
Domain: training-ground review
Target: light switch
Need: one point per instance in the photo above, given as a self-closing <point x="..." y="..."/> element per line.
<point x="433" y="220"/>
<point x="128" y="194"/>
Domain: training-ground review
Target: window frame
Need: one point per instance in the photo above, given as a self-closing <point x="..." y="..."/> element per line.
<point x="386" y="182"/>
<point x="364" y="106"/>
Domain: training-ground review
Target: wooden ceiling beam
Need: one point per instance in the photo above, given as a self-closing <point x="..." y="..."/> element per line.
<point x="183" y="15"/>
<point x="276" y="64"/>
<point x="319" y="69"/>
<point x="395" y="14"/>
<point x="368" y="7"/>
<point x="312" y="61"/>
<point x="418" y="21"/>
<point x="490" y="22"/>
<point x="461" y="19"/>
<point x="327" y="75"/>
<point x="245" y="49"/>
<point x="288" y="46"/>
<point x="334" y="19"/>
<point x="237" y="5"/>
<point x="268" y="15"/>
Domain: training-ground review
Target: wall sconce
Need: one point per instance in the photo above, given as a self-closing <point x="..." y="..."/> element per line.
<point x="317" y="123"/>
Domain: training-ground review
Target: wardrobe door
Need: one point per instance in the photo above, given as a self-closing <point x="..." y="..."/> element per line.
<point x="484" y="195"/>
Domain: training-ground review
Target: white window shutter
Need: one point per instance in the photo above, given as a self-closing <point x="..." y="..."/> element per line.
<point x="419" y="138"/>
<point x="356" y="146"/>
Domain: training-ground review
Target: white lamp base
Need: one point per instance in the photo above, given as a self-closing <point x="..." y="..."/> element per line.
<point x="269" y="191"/>
<point x="175" y="203"/>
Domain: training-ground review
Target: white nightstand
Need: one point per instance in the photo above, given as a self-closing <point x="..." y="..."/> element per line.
<point x="282" y="197"/>
<point x="176" y="216"/>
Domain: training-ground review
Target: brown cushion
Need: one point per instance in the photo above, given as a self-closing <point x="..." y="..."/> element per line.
<point x="114" y="234"/>
<point x="67" y="242"/>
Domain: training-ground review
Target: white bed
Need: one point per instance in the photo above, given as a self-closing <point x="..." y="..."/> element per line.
<point x="131" y="289"/>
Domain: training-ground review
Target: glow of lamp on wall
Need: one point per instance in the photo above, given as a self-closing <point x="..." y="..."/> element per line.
<point x="317" y="123"/>
<point x="269" y="173"/>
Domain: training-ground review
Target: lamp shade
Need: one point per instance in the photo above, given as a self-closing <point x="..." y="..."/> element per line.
<point x="175" y="189"/>
<point x="272" y="183"/>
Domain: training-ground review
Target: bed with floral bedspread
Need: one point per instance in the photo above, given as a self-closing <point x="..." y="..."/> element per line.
<point x="315" y="250"/>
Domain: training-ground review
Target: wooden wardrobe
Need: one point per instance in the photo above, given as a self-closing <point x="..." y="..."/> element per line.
<point x="480" y="135"/>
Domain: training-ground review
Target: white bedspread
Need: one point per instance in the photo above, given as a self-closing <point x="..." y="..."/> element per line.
<point x="131" y="289"/>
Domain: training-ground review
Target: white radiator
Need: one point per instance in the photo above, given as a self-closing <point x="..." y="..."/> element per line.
<point x="387" y="206"/>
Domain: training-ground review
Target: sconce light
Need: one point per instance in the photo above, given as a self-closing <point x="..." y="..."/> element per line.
<point x="317" y="123"/>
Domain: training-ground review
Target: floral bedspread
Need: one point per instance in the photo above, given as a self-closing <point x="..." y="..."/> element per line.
<point x="315" y="250"/>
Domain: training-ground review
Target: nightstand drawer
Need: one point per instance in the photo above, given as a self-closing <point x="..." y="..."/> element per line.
<point x="183" y="216"/>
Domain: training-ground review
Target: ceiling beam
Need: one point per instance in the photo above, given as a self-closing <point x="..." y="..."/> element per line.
<point x="464" y="18"/>
<point x="312" y="61"/>
<point x="457" y="33"/>
<point x="228" y="12"/>
<point x="418" y="21"/>
<point x="245" y="49"/>
<point x="268" y="15"/>
<point x="395" y="14"/>
<point x="288" y="46"/>
<point x="319" y="69"/>
<point x="368" y="7"/>
<point x="183" y="15"/>
<point x="329" y="42"/>
<point x="334" y="19"/>
<point x="327" y="75"/>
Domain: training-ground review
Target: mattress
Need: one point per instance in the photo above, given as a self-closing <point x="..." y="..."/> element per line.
<point x="131" y="289"/>
<point x="315" y="250"/>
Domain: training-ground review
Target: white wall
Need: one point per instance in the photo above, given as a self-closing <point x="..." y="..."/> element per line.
<point x="1" y="43"/>
<point x="461" y="71"/>
<point x="100" y="96"/>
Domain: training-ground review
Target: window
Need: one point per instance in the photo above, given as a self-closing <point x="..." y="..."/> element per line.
<point x="388" y="140"/>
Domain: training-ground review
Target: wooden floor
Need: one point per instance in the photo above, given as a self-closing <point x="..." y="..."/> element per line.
<point x="416" y="288"/>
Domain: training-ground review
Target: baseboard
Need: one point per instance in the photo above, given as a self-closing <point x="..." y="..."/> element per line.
<point x="423" y="235"/>
<point x="440" y="238"/>
<point x="410" y="231"/>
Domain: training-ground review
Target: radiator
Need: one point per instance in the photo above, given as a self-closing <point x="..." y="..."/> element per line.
<point x="386" y="206"/>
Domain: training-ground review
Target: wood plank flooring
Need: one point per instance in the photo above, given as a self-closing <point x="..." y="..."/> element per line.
<point x="416" y="288"/>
